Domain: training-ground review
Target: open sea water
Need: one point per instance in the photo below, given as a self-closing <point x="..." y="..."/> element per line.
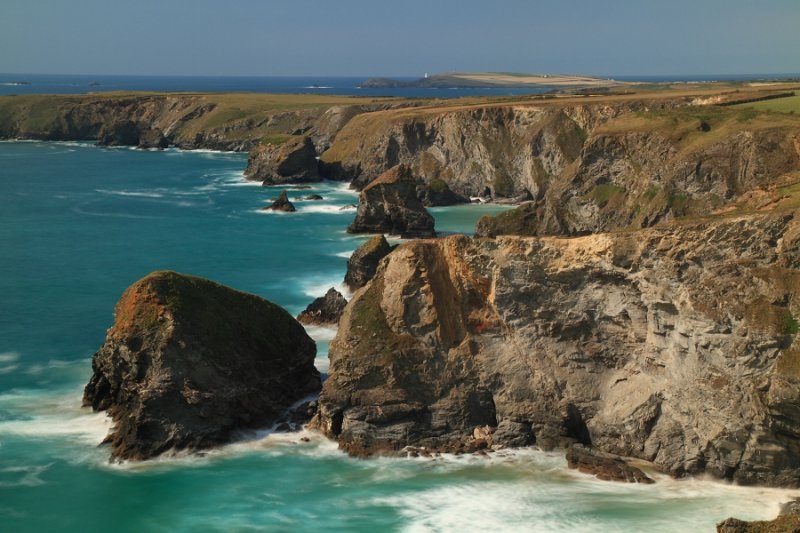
<point x="80" y="223"/>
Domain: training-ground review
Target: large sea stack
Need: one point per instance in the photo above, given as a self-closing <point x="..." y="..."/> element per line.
<point x="390" y="205"/>
<point x="283" y="159"/>
<point x="189" y="362"/>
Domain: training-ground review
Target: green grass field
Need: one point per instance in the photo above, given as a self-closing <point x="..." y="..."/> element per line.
<point x="779" y="105"/>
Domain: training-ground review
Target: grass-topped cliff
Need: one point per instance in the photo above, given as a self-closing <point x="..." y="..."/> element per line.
<point x="228" y="121"/>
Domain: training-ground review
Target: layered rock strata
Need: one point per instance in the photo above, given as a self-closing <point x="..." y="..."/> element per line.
<point x="676" y="345"/>
<point x="189" y="363"/>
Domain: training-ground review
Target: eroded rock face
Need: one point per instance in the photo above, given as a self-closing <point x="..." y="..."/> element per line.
<point x="390" y="205"/>
<point x="624" y="342"/>
<point x="292" y="160"/>
<point x="325" y="310"/>
<point x="363" y="264"/>
<point x="188" y="363"/>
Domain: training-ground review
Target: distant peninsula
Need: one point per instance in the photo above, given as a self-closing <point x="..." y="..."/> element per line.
<point x="471" y="80"/>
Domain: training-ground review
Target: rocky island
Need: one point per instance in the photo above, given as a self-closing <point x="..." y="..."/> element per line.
<point x="189" y="364"/>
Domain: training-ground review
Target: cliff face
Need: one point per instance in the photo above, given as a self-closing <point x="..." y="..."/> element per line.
<point x="639" y="170"/>
<point x="188" y="363"/>
<point x="235" y="122"/>
<point x="674" y="344"/>
<point x="584" y="168"/>
<point x="499" y="151"/>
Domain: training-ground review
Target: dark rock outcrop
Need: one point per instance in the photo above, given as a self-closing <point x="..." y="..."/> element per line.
<point x="289" y="159"/>
<point x="153" y="138"/>
<point x="119" y="133"/>
<point x="313" y="197"/>
<point x="363" y="263"/>
<point x="437" y="192"/>
<point x="605" y="466"/>
<point x="788" y="521"/>
<point x="282" y="203"/>
<point x="390" y="205"/>
<point x="325" y="310"/>
<point x="622" y="341"/>
<point x="188" y="363"/>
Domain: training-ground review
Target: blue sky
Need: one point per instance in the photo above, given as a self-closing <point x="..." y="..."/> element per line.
<point x="403" y="38"/>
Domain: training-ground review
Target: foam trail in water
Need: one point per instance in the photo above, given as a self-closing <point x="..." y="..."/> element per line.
<point x="320" y="333"/>
<point x="142" y="194"/>
<point x="52" y="416"/>
<point x="330" y="209"/>
<point x="22" y="476"/>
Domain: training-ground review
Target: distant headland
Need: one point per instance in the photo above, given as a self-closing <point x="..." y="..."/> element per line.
<point x="491" y="80"/>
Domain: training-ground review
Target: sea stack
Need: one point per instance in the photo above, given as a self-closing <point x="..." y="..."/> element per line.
<point x="325" y="310"/>
<point x="390" y="205"/>
<point x="283" y="159"/>
<point x="189" y="363"/>
<point x="282" y="203"/>
<point x="363" y="264"/>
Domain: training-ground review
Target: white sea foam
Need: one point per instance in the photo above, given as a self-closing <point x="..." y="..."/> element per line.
<point x="320" y="333"/>
<point x="54" y="364"/>
<point x="82" y="211"/>
<point x="22" y="476"/>
<point x="532" y="498"/>
<point x="331" y="209"/>
<point x="346" y="254"/>
<point x="53" y="416"/>
<point x="140" y="194"/>
<point x="9" y="357"/>
<point x="317" y="287"/>
<point x="8" y="369"/>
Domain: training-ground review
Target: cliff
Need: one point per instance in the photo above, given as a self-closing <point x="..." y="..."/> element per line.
<point x="235" y="122"/>
<point x="675" y="344"/>
<point x="582" y="166"/>
<point x="189" y="363"/>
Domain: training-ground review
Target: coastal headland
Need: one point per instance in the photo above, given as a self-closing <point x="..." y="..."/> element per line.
<point x="640" y="300"/>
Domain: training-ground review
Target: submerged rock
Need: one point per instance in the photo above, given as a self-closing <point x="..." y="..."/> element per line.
<point x="363" y="263"/>
<point x="313" y="197"/>
<point x="325" y="310"/>
<point x="605" y="466"/>
<point x="188" y="363"/>
<point x="282" y="203"/>
<point x="288" y="159"/>
<point x="390" y="205"/>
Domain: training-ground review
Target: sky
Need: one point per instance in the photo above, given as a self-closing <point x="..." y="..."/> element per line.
<point x="399" y="38"/>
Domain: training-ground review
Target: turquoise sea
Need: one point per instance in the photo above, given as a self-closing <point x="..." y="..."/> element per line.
<point x="79" y="223"/>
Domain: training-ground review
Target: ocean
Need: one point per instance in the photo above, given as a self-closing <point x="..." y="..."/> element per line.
<point x="81" y="83"/>
<point x="79" y="223"/>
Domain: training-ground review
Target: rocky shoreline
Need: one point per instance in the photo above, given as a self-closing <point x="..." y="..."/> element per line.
<point x="640" y="303"/>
